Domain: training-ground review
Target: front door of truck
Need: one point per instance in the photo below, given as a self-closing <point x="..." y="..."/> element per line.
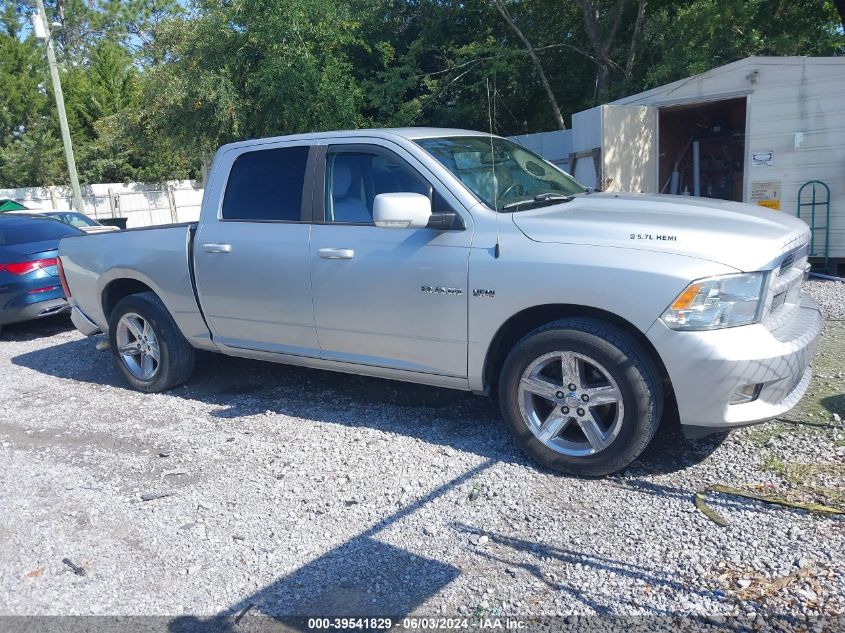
<point x="387" y="297"/>
<point x="251" y="257"/>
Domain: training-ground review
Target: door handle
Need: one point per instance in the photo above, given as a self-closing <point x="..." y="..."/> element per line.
<point x="337" y="253"/>
<point x="217" y="248"/>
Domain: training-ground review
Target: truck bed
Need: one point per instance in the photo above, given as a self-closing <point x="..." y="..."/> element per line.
<point x="158" y="257"/>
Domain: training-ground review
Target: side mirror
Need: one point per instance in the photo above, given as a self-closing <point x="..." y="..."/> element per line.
<point x="401" y="210"/>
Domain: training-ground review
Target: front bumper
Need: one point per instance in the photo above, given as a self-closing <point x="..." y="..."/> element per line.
<point x="708" y="368"/>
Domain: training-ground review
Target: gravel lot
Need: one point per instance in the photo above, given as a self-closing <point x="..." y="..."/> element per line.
<point x="830" y="295"/>
<point x="305" y="492"/>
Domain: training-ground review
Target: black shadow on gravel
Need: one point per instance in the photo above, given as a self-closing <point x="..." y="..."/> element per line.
<point x="835" y="404"/>
<point x="39" y="328"/>
<point x="716" y="501"/>
<point x="359" y="578"/>
<point x="520" y="554"/>
<point x="241" y="387"/>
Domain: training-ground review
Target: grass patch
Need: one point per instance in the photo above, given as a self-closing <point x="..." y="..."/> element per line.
<point x="762" y="434"/>
<point x="823" y="481"/>
<point x="774" y="465"/>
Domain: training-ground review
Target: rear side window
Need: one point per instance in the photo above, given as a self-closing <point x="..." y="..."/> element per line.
<point x="266" y="184"/>
<point x="24" y="231"/>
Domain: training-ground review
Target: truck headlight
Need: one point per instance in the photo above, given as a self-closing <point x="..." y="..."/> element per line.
<point x="717" y="302"/>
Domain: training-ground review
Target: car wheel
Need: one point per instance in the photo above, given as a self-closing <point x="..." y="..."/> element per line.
<point x="146" y="344"/>
<point x="581" y="396"/>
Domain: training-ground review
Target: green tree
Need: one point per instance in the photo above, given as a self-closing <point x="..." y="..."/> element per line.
<point x="250" y="68"/>
<point x="685" y="38"/>
<point x="34" y="158"/>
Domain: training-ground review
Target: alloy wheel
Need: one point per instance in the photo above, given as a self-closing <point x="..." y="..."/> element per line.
<point x="138" y="346"/>
<point x="571" y="403"/>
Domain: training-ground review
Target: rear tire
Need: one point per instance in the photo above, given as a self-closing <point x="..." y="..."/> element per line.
<point x="604" y="422"/>
<point x="147" y="346"/>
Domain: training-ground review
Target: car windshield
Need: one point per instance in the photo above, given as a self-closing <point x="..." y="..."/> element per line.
<point x="74" y="219"/>
<point x="22" y="231"/>
<point x="502" y="174"/>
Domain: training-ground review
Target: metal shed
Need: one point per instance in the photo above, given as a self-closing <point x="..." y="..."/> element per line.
<point x="755" y="131"/>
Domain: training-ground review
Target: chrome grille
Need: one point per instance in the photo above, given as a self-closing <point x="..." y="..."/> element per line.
<point x="784" y="293"/>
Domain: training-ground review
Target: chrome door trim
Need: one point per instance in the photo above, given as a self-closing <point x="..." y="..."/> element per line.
<point x="336" y="253"/>
<point x="217" y="248"/>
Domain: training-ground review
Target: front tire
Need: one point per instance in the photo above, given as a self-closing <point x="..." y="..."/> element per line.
<point x="581" y="396"/>
<point x="147" y="346"/>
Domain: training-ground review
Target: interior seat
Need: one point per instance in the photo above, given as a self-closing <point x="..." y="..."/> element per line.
<point x="347" y="205"/>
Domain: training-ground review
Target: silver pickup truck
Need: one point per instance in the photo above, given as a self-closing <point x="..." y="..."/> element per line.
<point x="462" y="260"/>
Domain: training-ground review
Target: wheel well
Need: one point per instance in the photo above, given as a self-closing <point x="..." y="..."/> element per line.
<point x="530" y="319"/>
<point x="118" y="289"/>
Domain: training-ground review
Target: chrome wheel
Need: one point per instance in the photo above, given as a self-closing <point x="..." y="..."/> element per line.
<point x="138" y="346"/>
<point x="571" y="403"/>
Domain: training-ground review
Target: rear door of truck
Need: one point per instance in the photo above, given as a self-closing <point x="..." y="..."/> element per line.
<point x="251" y="251"/>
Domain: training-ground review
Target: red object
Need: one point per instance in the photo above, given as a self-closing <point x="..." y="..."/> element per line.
<point x="62" y="278"/>
<point x="46" y="289"/>
<point x="24" y="268"/>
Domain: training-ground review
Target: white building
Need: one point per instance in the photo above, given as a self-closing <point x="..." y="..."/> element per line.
<point x="754" y="131"/>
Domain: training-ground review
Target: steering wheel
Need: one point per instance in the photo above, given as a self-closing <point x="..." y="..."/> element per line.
<point x="513" y="188"/>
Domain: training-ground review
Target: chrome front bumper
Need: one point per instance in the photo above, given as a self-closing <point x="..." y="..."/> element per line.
<point x="83" y="323"/>
<point x="708" y="368"/>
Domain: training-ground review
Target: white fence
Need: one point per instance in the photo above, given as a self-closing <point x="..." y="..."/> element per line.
<point x="142" y="204"/>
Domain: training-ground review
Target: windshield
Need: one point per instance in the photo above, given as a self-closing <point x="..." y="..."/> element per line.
<point x="502" y="174"/>
<point x="74" y="219"/>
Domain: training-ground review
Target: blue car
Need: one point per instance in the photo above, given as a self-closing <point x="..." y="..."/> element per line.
<point x="30" y="287"/>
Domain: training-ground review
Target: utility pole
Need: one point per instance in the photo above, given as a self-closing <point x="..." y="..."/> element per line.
<point x="43" y="30"/>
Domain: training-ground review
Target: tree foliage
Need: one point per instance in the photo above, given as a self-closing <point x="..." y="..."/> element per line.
<point x="153" y="87"/>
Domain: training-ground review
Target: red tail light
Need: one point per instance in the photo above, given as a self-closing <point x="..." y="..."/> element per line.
<point x="24" y="268"/>
<point x="62" y="278"/>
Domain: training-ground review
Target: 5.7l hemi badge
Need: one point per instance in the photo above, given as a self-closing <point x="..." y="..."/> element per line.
<point x="657" y="237"/>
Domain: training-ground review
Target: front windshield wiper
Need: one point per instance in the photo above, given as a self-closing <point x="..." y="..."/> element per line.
<point x="539" y="199"/>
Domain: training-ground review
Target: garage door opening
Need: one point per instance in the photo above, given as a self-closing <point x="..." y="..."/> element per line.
<point x="702" y="149"/>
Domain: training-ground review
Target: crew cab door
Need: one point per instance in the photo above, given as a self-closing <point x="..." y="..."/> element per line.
<point x="390" y="297"/>
<point x="251" y="252"/>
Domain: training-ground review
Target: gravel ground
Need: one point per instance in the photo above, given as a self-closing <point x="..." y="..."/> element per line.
<point x="830" y="295"/>
<point x="305" y="492"/>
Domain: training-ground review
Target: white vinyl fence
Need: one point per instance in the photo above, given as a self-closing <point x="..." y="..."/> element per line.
<point x="142" y="204"/>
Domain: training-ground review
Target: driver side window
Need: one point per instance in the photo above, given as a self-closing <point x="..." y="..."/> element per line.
<point x="354" y="179"/>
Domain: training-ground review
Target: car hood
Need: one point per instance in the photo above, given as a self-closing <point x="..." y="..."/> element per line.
<point x="743" y="236"/>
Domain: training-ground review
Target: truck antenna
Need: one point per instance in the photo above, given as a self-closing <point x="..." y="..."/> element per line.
<point x="497" y="251"/>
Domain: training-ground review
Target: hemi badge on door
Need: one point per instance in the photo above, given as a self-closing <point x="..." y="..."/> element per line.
<point x="480" y="292"/>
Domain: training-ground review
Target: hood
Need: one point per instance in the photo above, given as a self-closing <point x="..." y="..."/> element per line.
<point x="743" y="236"/>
